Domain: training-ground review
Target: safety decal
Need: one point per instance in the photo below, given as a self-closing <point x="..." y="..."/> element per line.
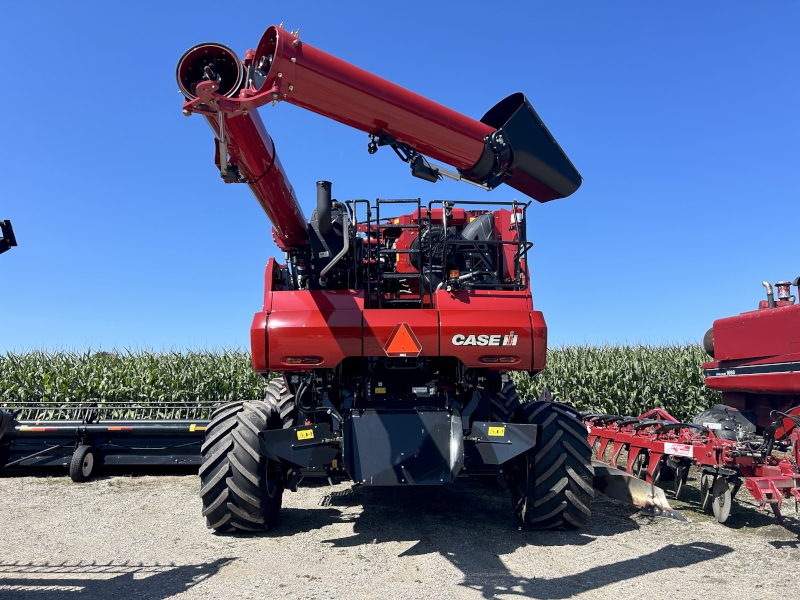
<point x="402" y="342"/>
<point x="497" y="431"/>
<point x="305" y="434"/>
<point x="678" y="449"/>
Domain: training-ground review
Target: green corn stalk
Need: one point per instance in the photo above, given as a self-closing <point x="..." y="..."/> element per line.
<point x="625" y="380"/>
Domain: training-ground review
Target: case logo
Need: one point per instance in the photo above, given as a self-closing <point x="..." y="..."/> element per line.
<point x="509" y="339"/>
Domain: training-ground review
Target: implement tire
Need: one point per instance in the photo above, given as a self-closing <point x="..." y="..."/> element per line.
<point x="552" y="484"/>
<point x="241" y="490"/>
<point x="82" y="464"/>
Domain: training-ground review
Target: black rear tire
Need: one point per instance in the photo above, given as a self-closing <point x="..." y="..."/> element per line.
<point x="82" y="464"/>
<point x="552" y="484"/>
<point x="241" y="490"/>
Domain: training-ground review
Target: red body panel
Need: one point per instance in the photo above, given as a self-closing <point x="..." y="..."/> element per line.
<point x="768" y="383"/>
<point x="768" y="336"/>
<point x="321" y="324"/>
<point x="757" y="366"/>
<point x="258" y="342"/>
<point x="539" y="341"/>
<point x="487" y="313"/>
<point x="341" y="91"/>
<point x="330" y="326"/>
<point x="759" y="333"/>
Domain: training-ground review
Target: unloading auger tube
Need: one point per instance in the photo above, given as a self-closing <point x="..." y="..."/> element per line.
<point x="391" y="374"/>
<point x="510" y="144"/>
<point x="7" y="237"/>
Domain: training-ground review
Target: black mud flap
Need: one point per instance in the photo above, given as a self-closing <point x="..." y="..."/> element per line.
<point x="311" y="446"/>
<point x="498" y="443"/>
<point x="388" y="448"/>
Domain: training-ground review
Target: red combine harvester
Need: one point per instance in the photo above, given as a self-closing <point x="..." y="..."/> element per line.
<point x="394" y="334"/>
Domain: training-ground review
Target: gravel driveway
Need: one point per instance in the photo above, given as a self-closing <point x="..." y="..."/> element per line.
<point x="143" y="537"/>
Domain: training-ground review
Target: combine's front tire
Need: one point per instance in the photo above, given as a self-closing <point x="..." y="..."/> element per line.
<point x="504" y="403"/>
<point x="552" y="485"/>
<point x="241" y="490"/>
<point x="285" y="399"/>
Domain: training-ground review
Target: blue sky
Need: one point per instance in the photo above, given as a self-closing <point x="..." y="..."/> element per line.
<point x="682" y="118"/>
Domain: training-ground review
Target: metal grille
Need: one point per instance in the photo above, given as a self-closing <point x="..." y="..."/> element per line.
<point x="92" y="412"/>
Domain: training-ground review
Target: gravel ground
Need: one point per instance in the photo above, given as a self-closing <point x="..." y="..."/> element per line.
<point x="143" y="537"/>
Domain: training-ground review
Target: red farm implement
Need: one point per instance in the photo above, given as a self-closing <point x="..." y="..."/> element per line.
<point x="719" y="443"/>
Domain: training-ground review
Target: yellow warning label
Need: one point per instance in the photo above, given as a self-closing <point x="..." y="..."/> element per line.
<point x="380" y="390"/>
<point x="334" y="464"/>
<point x="194" y="427"/>
<point x="305" y="434"/>
<point x="497" y="431"/>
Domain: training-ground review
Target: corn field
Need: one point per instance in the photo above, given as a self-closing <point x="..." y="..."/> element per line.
<point x="145" y="377"/>
<point x="625" y="380"/>
<point x="613" y="379"/>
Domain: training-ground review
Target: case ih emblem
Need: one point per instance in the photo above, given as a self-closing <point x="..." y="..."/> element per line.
<point x="460" y="339"/>
<point x="402" y="342"/>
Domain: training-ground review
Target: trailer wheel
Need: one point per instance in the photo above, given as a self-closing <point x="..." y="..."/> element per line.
<point x="82" y="464"/>
<point x="721" y="499"/>
<point x="241" y="490"/>
<point x="552" y="485"/>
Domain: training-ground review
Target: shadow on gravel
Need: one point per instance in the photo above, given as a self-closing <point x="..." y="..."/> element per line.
<point x="26" y="581"/>
<point x="101" y="471"/>
<point x="472" y="527"/>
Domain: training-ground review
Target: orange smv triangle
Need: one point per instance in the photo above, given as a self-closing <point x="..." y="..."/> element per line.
<point x="402" y="342"/>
